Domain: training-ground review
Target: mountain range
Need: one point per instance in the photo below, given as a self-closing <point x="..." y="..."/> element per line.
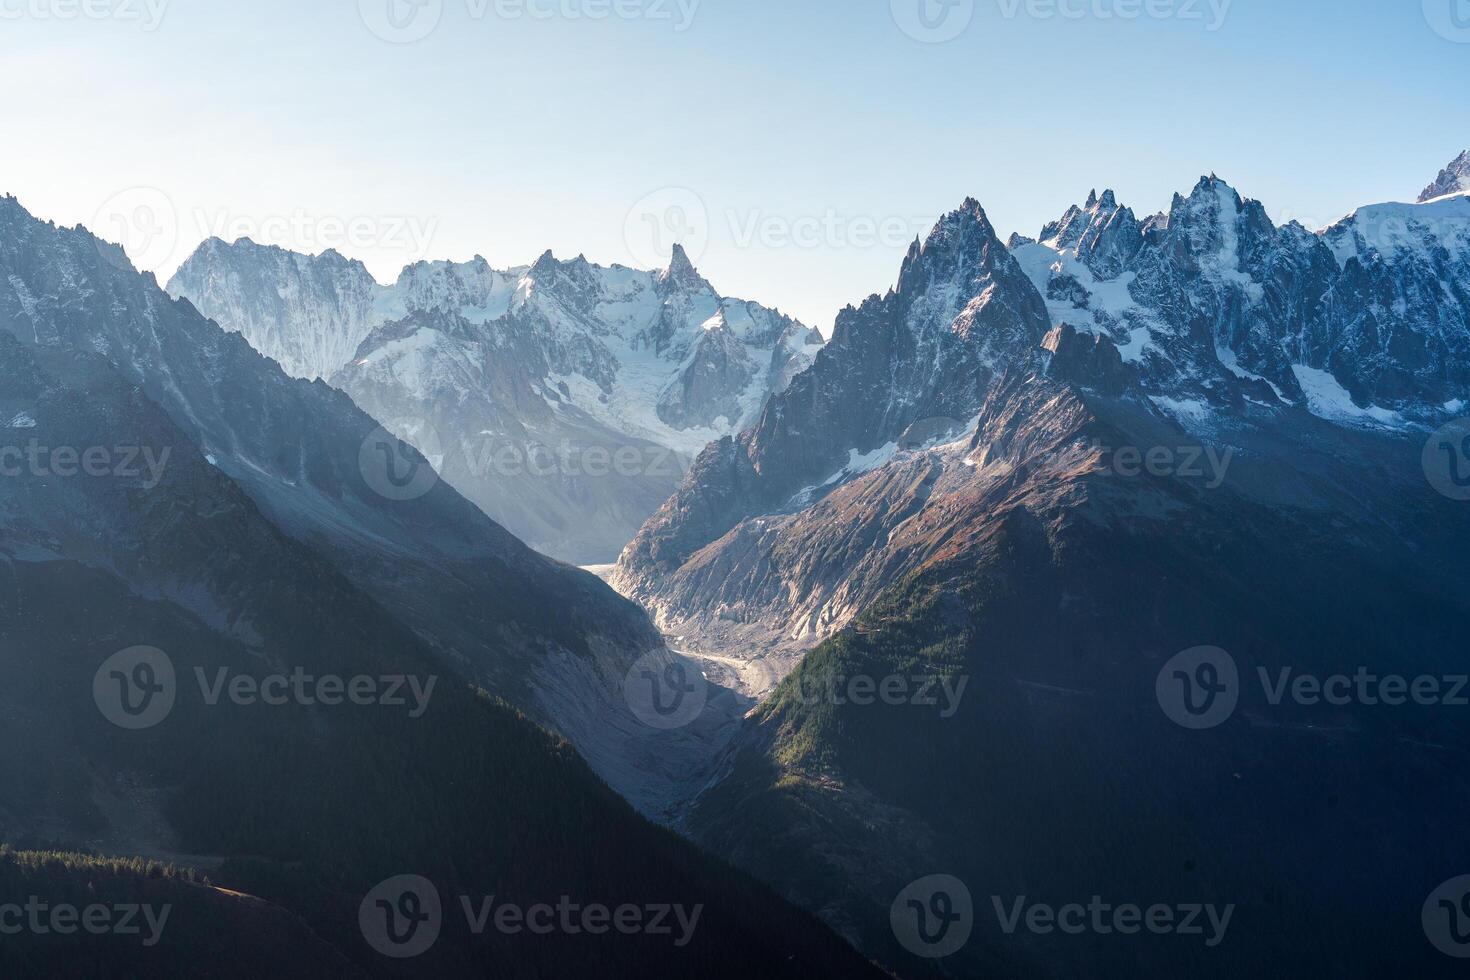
<point x="1041" y="469"/>
<point x="947" y="587"/>
<point x="1210" y="311"/>
<point x="564" y="399"/>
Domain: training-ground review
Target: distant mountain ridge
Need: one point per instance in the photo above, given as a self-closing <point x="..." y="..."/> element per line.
<point x="564" y="398"/>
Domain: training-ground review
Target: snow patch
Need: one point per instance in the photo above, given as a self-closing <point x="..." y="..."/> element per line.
<point x="1392" y="230"/>
<point x="1328" y="399"/>
<point x="1112" y="298"/>
<point x="860" y="463"/>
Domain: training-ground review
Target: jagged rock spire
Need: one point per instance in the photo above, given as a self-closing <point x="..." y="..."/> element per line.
<point x="1454" y="179"/>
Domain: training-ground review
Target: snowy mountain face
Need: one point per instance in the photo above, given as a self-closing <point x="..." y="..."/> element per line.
<point x="563" y="398"/>
<point x="1454" y="179"/>
<point x="1365" y="319"/>
<point x="1210" y="311"/>
<point x="309" y="313"/>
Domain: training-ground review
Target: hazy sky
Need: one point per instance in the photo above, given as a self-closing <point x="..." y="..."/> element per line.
<point x="797" y="144"/>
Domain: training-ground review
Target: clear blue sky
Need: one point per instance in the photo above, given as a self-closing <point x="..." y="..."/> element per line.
<point x="815" y="119"/>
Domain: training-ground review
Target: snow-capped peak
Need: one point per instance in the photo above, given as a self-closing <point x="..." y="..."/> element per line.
<point x="1454" y="179"/>
<point x="679" y="268"/>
